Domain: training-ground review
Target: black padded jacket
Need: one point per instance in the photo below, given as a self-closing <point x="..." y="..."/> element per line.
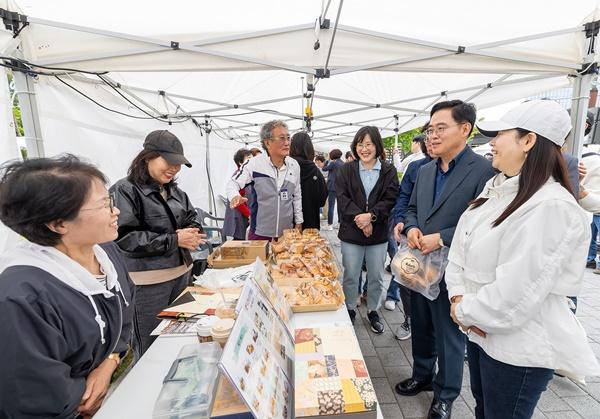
<point x="148" y="225"/>
<point x="351" y="201"/>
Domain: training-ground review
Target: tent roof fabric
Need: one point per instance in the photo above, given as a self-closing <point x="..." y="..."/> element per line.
<point x="242" y="63"/>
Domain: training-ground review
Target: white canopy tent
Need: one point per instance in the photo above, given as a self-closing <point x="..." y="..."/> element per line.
<point x="237" y="64"/>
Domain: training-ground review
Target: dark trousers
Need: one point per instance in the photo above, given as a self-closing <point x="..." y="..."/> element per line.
<point x="504" y="391"/>
<point x="331" y="207"/>
<point x="435" y="337"/>
<point x="150" y="300"/>
<point x="397" y="293"/>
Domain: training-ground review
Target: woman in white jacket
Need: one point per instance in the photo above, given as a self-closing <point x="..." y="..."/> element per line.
<point x="517" y="252"/>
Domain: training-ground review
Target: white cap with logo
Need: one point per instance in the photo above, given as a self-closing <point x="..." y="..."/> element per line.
<point x="543" y="117"/>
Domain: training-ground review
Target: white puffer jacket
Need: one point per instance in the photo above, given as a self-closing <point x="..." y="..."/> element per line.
<point x="515" y="278"/>
<point x="591" y="182"/>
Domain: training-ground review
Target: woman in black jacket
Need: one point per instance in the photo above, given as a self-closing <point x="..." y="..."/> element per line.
<point x="312" y="182"/>
<point x="366" y="191"/>
<point x="66" y="301"/>
<point x="157" y="229"/>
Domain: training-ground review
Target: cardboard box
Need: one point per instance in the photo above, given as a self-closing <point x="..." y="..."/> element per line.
<point x="216" y="261"/>
<point x="248" y="249"/>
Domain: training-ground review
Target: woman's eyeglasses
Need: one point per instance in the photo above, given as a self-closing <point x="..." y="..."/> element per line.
<point x="109" y="202"/>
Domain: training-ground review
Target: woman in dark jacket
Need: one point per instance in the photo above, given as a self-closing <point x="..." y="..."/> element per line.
<point x="366" y="191"/>
<point x="66" y="301"/>
<point x="333" y="167"/>
<point x="312" y="182"/>
<point x="157" y="229"/>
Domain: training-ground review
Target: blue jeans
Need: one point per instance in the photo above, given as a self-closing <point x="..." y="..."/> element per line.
<point x="393" y="291"/>
<point x="593" y="251"/>
<point x="352" y="257"/>
<point x="504" y="391"/>
<point x="397" y="292"/>
<point x="331" y="208"/>
<point x="362" y="285"/>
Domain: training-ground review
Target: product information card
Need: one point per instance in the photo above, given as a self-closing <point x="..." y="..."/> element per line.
<point x="258" y="357"/>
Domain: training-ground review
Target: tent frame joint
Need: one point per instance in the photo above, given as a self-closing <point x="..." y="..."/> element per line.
<point x="324" y="23"/>
<point x="592" y="28"/>
<point x="591" y="68"/>
<point x="13" y="21"/>
<point x="174" y="45"/>
<point x="461" y="49"/>
<point x="322" y="73"/>
<point x="19" y="66"/>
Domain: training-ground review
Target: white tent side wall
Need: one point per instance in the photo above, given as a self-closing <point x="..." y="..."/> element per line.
<point x="73" y="124"/>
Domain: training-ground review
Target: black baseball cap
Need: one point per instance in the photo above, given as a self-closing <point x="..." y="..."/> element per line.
<point x="167" y="145"/>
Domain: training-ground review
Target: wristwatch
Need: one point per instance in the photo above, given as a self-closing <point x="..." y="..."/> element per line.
<point x="373" y="218"/>
<point x="115" y="357"/>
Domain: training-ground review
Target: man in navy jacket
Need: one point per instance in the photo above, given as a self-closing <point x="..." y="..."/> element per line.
<point x="397" y="292"/>
<point x="442" y="192"/>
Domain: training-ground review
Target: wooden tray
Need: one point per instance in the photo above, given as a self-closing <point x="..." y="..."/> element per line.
<point x="308" y="308"/>
<point x="275" y="259"/>
<point x="292" y="280"/>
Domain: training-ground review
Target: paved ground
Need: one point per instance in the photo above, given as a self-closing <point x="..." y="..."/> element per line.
<point x="389" y="361"/>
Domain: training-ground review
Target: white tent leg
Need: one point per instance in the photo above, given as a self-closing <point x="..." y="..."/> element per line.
<point x="579" y="107"/>
<point x="396" y="129"/>
<point x="29" y="114"/>
<point x="8" y="140"/>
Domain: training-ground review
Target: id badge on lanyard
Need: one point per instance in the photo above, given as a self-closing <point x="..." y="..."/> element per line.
<point x="284" y="194"/>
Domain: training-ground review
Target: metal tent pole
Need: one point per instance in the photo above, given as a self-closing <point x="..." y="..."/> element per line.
<point x="396" y="129"/>
<point x="25" y="90"/>
<point x="581" y="91"/>
<point x="579" y="107"/>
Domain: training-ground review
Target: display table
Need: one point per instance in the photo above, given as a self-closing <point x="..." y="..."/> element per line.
<point x="134" y="398"/>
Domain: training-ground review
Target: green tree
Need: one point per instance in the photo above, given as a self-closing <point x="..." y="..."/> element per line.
<point x="19" y="130"/>
<point x="404" y="141"/>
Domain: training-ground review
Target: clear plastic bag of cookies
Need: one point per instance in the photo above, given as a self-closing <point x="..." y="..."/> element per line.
<point x="418" y="272"/>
